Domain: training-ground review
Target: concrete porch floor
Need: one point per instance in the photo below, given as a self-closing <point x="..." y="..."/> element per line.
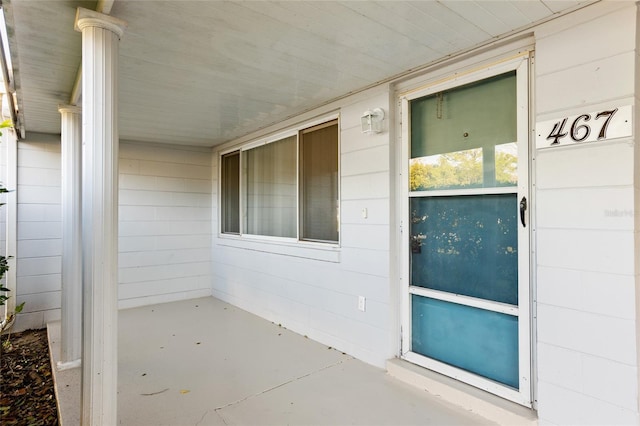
<point x="205" y="362"/>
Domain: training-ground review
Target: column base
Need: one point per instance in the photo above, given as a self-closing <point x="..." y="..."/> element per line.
<point x="61" y="366"/>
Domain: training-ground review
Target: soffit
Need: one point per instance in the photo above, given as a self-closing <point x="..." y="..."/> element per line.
<point x="205" y="72"/>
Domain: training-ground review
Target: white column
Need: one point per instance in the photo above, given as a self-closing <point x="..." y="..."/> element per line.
<point x="71" y="321"/>
<point x="100" y="38"/>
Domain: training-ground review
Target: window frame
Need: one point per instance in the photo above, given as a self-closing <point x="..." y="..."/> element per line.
<point x="301" y="189"/>
<point x="239" y="239"/>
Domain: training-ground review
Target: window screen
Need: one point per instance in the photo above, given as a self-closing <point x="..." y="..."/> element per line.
<point x="319" y="182"/>
<point x="231" y="193"/>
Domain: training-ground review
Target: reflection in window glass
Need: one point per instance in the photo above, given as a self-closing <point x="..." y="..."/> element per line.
<point x="462" y="169"/>
<point x="506" y="164"/>
<point x="470" y="128"/>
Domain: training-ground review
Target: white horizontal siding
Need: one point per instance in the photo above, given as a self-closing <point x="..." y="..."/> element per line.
<point x="165" y="223"/>
<point x="585" y="165"/>
<point x="589" y="333"/>
<point x="163" y="242"/>
<point x="365" y="161"/>
<point x="584" y="250"/>
<point x="586" y="217"/>
<point x="599" y="208"/>
<point x="594" y="45"/>
<point x="39" y="233"/>
<point x="40" y="283"/>
<point x="366" y="211"/>
<point x="39" y="213"/>
<point x="366" y="187"/>
<point x="585" y="291"/>
<point x="319" y="298"/>
<point x="588" y="83"/>
<point x="164" y="228"/>
<point x="577" y="408"/>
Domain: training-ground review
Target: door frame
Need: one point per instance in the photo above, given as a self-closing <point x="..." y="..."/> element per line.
<point x="522" y="65"/>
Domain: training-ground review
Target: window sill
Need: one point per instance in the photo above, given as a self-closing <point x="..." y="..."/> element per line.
<point x="303" y="249"/>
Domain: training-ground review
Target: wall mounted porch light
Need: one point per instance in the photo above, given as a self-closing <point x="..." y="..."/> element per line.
<point x="372" y="120"/>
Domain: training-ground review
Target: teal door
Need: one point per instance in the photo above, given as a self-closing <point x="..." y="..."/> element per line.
<point x="468" y="241"/>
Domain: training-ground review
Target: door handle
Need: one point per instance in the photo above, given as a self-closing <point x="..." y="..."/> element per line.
<point x="523" y="209"/>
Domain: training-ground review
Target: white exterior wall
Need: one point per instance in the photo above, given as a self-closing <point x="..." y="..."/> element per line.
<point x="165" y="227"/>
<point x="39" y="249"/>
<point x="314" y="291"/>
<point x="586" y="253"/>
<point x="586" y="257"/>
<point x="165" y="224"/>
<point x="586" y="260"/>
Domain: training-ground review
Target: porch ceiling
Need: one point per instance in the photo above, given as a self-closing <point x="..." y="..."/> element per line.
<point x="205" y="72"/>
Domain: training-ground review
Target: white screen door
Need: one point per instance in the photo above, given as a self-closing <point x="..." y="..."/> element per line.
<point x="466" y="304"/>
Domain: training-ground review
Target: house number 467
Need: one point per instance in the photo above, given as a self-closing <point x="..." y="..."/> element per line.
<point x="580" y="130"/>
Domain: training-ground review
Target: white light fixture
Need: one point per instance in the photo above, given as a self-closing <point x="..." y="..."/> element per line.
<point x="372" y="121"/>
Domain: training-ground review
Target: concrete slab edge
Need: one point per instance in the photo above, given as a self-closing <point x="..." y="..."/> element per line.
<point x="66" y="381"/>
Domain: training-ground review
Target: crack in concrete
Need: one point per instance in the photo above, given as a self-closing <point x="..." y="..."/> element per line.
<point x="202" y="418"/>
<point x="221" y="417"/>
<point x="295" y="379"/>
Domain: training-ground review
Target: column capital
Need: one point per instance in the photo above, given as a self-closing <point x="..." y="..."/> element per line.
<point x="90" y="18"/>
<point x="72" y="109"/>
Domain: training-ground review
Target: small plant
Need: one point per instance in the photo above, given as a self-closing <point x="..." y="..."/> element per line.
<point x="4" y="265"/>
